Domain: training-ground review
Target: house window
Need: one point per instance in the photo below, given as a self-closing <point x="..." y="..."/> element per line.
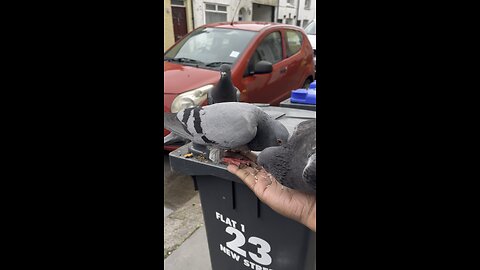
<point x="307" y="4"/>
<point x="180" y="3"/>
<point x="291" y="2"/>
<point x="215" y="13"/>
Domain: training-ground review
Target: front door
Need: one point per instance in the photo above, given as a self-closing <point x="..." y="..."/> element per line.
<point x="179" y="15"/>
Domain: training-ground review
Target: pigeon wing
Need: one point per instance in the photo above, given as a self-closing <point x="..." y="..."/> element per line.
<point x="227" y="124"/>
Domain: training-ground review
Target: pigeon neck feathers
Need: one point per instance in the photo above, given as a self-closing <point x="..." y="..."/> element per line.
<point x="270" y="132"/>
<point x="293" y="164"/>
<point x="224" y="90"/>
<point x="276" y="161"/>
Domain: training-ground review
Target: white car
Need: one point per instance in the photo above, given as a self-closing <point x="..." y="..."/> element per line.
<point x="311" y="30"/>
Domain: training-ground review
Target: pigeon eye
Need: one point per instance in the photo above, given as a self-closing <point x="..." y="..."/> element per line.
<point x="279" y="141"/>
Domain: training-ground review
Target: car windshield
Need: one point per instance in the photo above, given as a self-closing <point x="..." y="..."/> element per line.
<point x="210" y="47"/>
<point x="311" y="29"/>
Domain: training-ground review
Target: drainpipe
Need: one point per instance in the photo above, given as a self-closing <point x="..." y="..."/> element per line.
<point x="193" y="18"/>
<point x="298" y="9"/>
<point x="278" y="8"/>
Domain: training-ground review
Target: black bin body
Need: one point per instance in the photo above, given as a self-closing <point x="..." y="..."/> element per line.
<point x="242" y="232"/>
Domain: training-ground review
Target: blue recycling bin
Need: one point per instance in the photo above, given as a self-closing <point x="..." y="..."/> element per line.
<point x="304" y="96"/>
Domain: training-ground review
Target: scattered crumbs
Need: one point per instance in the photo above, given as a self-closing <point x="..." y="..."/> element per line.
<point x="201" y="158"/>
<point x="188" y="155"/>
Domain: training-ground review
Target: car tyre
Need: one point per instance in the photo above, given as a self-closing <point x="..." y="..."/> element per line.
<point x="307" y="83"/>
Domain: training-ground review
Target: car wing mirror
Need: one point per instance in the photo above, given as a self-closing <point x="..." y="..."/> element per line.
<point x="263" y="67"/>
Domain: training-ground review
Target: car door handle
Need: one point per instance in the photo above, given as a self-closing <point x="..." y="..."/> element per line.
<point x="283" y="70"/>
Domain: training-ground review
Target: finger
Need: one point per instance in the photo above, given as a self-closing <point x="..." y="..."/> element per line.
<point x="254" y="171"/>
<point x="252" y="178"/>
<point x="266" y="184"/>
<point x="260" y="182"/>
<point x="257" y="174"/>
<point x="246" y="176"/>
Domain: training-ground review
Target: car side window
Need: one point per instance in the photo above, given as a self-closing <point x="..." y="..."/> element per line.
<point x="294" y="42"/>
<point x="270" y="49"/>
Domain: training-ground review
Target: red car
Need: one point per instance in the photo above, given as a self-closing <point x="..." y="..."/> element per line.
<point x="191" y="66"/>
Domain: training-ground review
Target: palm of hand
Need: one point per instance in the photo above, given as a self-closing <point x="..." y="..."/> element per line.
<point x="290" y="203"/>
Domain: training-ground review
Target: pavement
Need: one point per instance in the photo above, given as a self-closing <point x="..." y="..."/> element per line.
<point x="193" y="252"/>
<point x="185" y="240"/>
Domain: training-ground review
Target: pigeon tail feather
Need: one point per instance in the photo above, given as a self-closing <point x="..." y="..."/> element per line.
<point x="171" y="122"/>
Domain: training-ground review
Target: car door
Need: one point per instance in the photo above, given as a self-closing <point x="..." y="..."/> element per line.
<point x="266" y="88"/>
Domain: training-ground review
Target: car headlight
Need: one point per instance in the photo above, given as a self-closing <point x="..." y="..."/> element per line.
<point x="191" y="98"/>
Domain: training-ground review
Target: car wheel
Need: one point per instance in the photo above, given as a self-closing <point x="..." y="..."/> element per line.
<point x="307" y="83"/>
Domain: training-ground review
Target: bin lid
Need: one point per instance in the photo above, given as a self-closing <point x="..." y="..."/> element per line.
<point x="289" y="117"/>
<point x="304" y="96"/>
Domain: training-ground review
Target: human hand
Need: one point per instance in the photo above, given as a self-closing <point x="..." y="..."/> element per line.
<point x="296" y="205"/>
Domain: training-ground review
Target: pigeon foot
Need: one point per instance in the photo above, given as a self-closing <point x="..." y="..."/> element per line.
<point x="215" y="155"/>
<point x="240" y="162"/>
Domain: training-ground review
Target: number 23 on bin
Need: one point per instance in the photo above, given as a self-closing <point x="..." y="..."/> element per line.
<point x="233" y="248"/>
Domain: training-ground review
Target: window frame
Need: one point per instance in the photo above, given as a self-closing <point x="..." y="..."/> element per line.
<point x="177" y="5"/>
<point x="215" y="11"/>
<point x="307" y="7"/>
<point x="248" y="71"/>
<point x="286" y="42"/>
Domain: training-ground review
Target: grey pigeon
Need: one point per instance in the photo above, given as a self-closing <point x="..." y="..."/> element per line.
<point x="224" y="90"/>
<point x="227" y="126"/>
<point x="294" y="164"/>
